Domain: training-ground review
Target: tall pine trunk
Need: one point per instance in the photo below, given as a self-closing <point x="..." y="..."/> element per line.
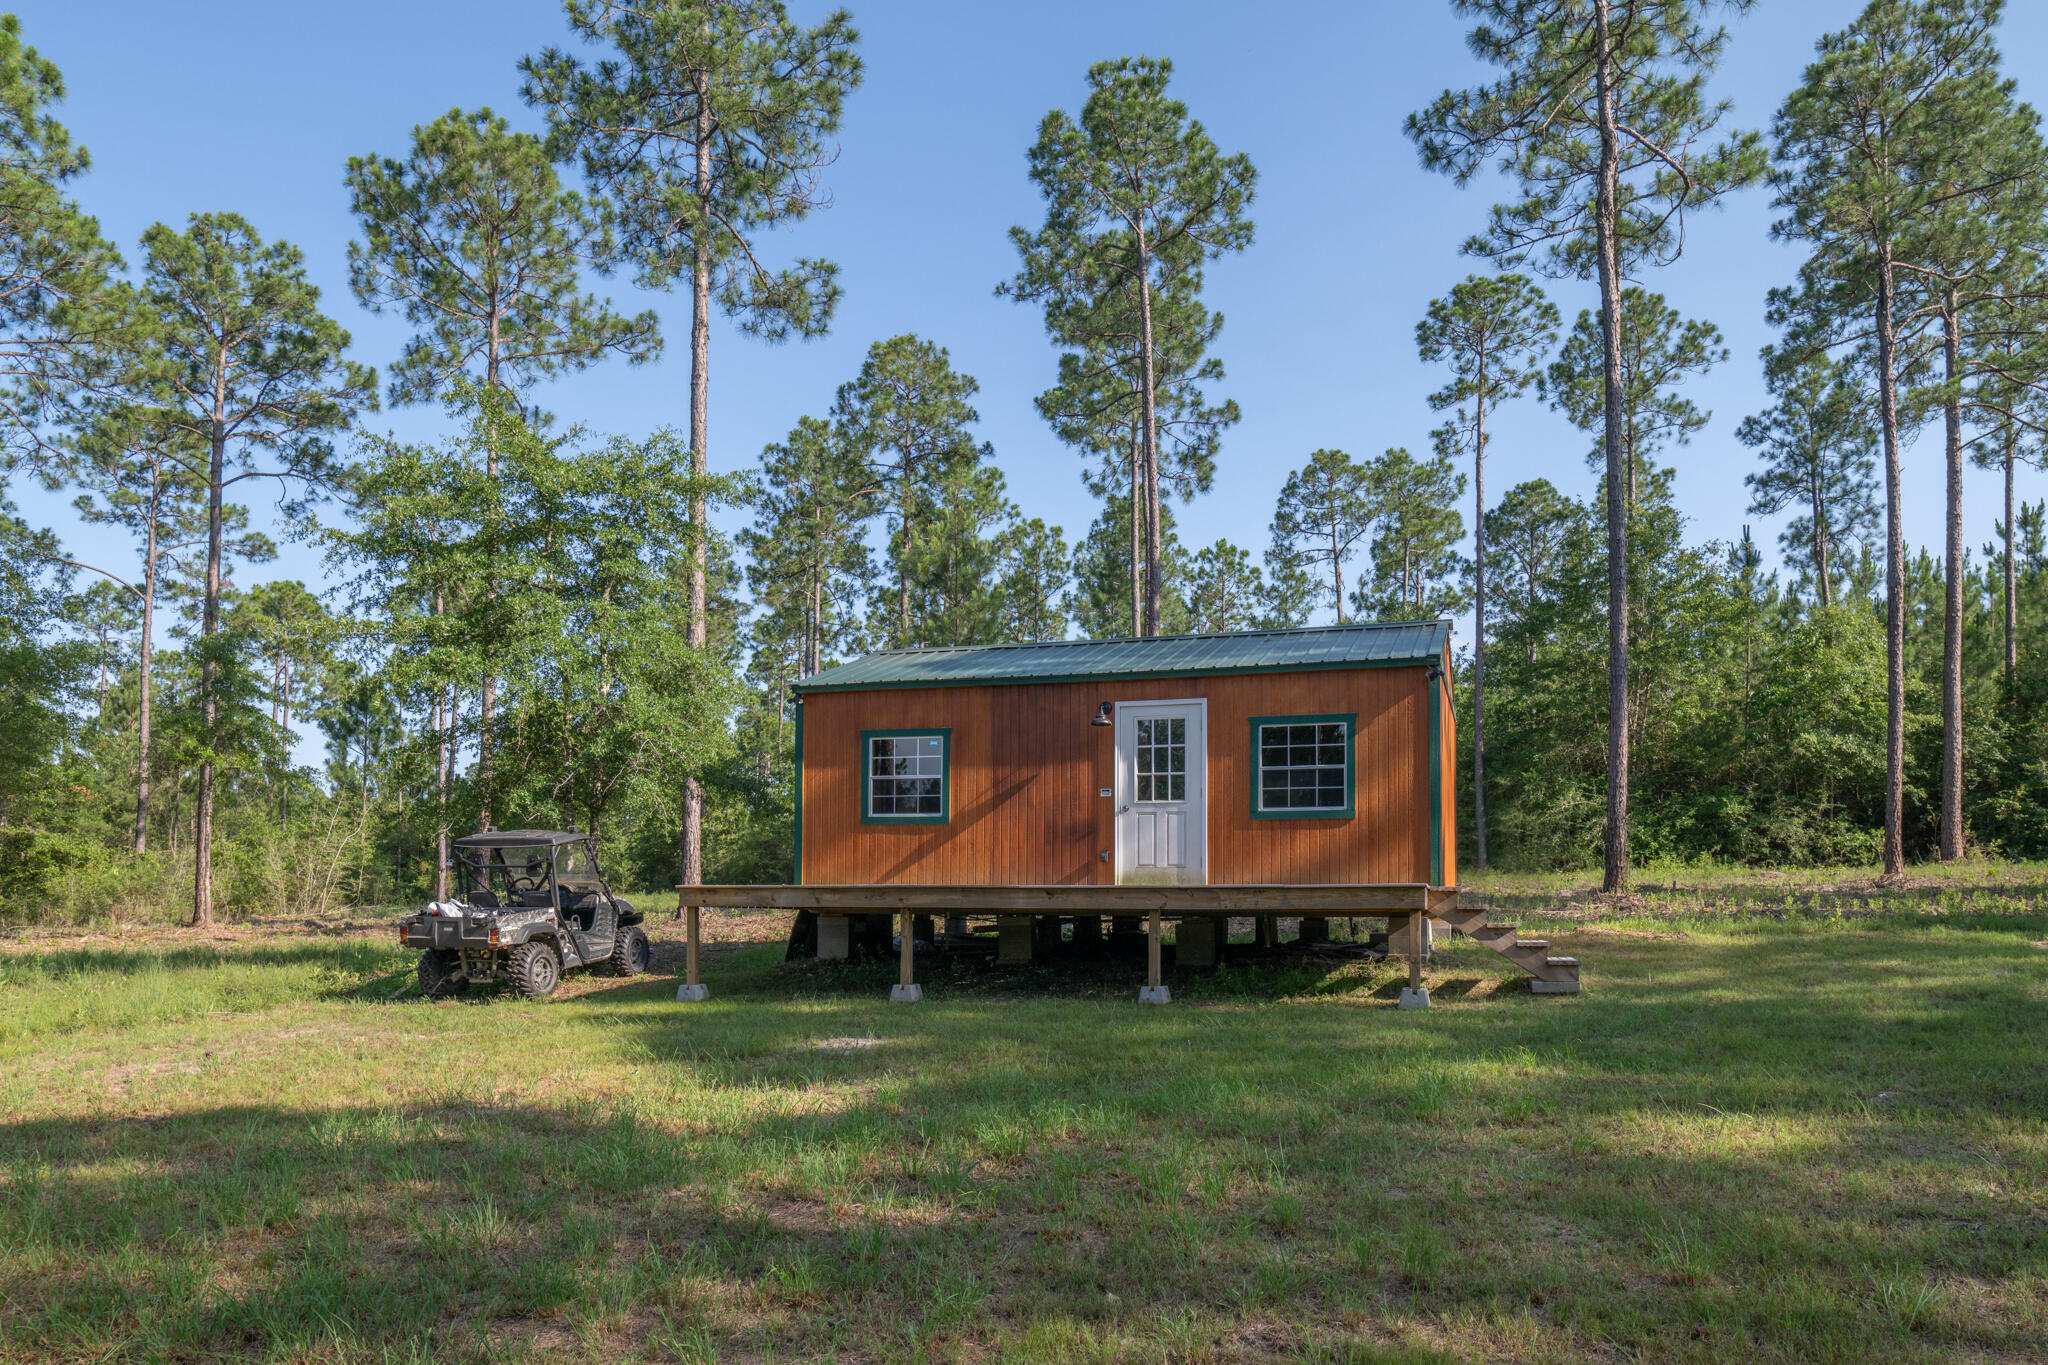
<point x="1479" y="615"/>
<point x="700" y="393"/>
<point x="1817" y="503"/>
<point x="444" y="721"/>
<point x="209" y="626"/>
<point x="145" y="658"/>
<point x="1137" y="538"/>
<point x="1894" y="576"/>
<point x="1148" y="404"/>
<point x="487" y="695"/>
<point x="2012" y="608"/>
<point x="1614" y="879"/>
<point x="1952" y="605"/>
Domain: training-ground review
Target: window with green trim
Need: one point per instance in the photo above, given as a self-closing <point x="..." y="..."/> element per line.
<point x="1302" y="767"/>
<point x="905" y="776"/>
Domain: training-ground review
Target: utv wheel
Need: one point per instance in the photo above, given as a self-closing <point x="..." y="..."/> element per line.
<point x="631" y="952"/>
<point x="535" y="970"/>
<point x="441" y="975"/>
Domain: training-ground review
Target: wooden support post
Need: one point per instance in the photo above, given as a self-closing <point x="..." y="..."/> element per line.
<point x="1416" y="997"/>
<point x="1154" y="991"/>
<point x="906" y="989"/>
<point x="692" y="990"/>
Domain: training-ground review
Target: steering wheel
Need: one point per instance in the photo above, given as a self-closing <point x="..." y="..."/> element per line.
<point x="523" y="883"/>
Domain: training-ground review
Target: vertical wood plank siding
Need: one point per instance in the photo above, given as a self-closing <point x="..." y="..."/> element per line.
<point x="1027" y="766"/>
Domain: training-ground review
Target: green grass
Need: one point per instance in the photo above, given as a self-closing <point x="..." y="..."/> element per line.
<point x="1783" y="1123"/>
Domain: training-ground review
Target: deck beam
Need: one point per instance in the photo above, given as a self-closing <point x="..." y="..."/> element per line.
<point x="1316" y="901"/>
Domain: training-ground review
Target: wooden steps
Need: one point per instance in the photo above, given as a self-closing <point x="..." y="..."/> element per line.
<point x="1552" y="975"/>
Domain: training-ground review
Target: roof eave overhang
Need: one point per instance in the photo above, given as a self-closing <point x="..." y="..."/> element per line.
<point x="1131" y="675"/>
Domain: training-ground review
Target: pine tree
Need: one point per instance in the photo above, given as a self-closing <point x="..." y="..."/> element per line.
<point x="1601" y="116"/>
<point x="804" y="552"/>
<point x="1493" y="332"/>
<point x="63" y="308"/>
<point x="1816" y="443"/>
<point x="1138" y="198"/>
<point x="1989" y="179"/>
<point x="146" y="476"/>
<point x="1037" y="568"/>
<point x="251" y="368"/>
<point x="1858" y="175"/>
<point x="906" y="414"/>
<point x="1226" y="591"/>
<point x="1097" y="406"/>
<point x="1529" y="529"/>
<point x="1657" y="351"/>
<point x="1325" y="509"/>
<point x="707" y="125"/>
<point x="1416" y="529"/>
<point x="952" y="556"/>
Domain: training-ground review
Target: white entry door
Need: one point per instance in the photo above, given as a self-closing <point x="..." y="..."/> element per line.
<point x="1162" y="793"/>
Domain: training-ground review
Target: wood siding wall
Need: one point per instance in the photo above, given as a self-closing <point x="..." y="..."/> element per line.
<point x="1027" y="767"/>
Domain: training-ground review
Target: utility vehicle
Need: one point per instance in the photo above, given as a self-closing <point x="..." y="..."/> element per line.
<point x="529" y="904"/>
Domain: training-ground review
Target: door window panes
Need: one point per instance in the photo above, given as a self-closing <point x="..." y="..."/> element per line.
<point x="1162" y="756"/>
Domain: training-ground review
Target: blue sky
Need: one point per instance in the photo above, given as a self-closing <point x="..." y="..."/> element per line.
<point x="255" y="107"/>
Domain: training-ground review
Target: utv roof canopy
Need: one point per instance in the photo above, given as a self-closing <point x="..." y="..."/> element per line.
<point x="522" y="838"/>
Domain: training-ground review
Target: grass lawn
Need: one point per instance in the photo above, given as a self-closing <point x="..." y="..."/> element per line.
<point x="1791" y="1118"/>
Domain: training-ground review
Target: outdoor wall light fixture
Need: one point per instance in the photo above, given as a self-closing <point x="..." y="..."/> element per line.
<point x="1104" y="714"/>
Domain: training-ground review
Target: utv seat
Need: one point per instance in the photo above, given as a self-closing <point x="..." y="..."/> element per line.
<point x="484" y="900"/>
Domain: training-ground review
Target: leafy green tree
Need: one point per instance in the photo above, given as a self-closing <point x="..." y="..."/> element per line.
<point x="1857" y="173"/>
<point x="1493" y="332"/>
<point x="1657" y="352"/>
<point x="708" y="124"/>
<point x="63" y="307"/>
<point x="1325" y="509"/>
<point x="906" y="413"/>
<point x="253" y="369"/>
<point x="1601" y="116"/>
<point x="1138" y="198"/>
<point x="1416" y="529"/>
<point x="474" y="240"/>
<point x="1816" y="444"/>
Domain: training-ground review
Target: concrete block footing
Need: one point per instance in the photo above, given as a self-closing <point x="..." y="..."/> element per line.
<point x="693" y="995"/>
<point x="1417" y="999"/>
<point x="835" y="937"/>
<point x="1015" y="939"/>
<point x="1198" y="940"/>
<point x="1154" y="995"/>
<point x="1553" y="987"/>
<point x="906" y="995"/>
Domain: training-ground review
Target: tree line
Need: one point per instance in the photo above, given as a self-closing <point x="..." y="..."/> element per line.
<point x="535" y="625"/>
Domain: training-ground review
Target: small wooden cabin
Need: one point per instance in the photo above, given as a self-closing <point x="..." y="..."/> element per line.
<point x="1299" y="757"/>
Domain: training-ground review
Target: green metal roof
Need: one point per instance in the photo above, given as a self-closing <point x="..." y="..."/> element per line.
<point x="1364" y="645"/>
